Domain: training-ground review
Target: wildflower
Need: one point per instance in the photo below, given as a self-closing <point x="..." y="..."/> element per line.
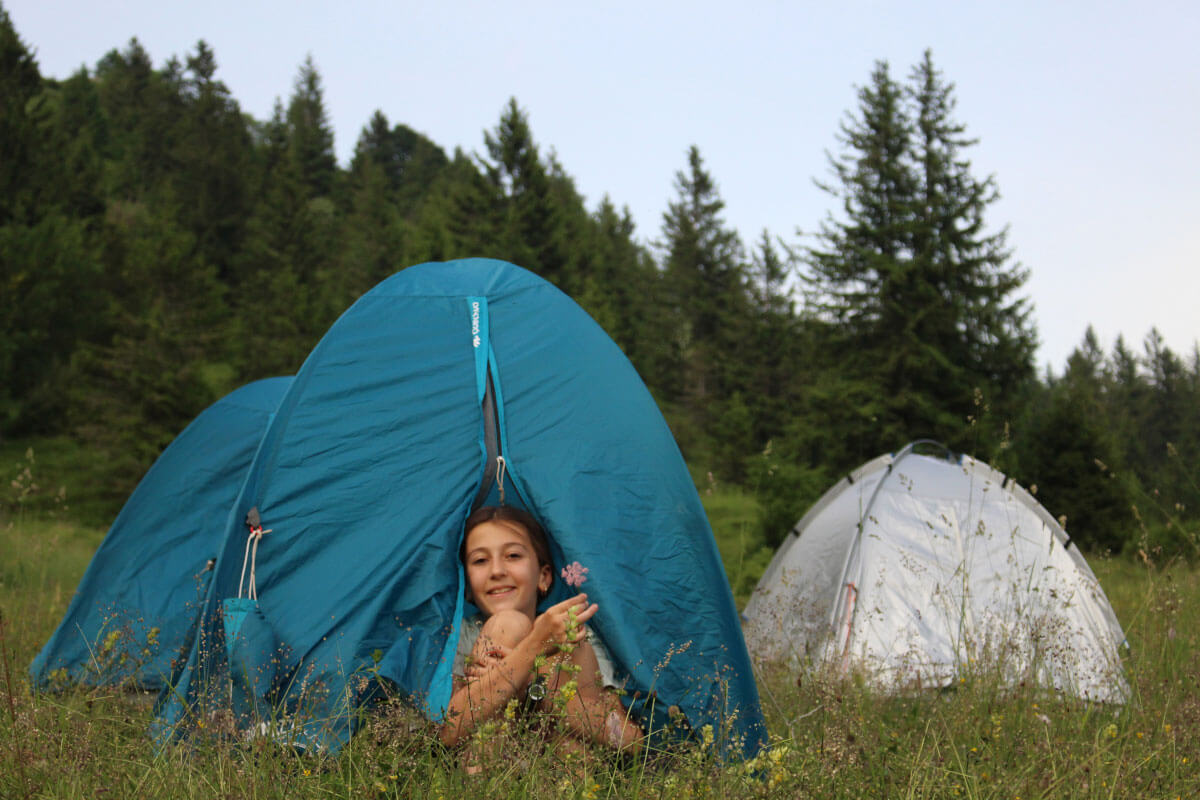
<point x="590" y="794"/>
<point x="1043" y="718"/>
<point x="1111" y="731"/>
<point x="706" y="736"/>
<point x="573" y="574"/>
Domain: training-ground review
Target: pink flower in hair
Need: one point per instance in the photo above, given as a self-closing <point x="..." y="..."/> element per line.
<point x="574" y="574"/>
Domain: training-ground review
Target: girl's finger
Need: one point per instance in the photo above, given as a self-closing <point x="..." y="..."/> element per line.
<point x="587" y="613"/>
<point x="578" y="599"/>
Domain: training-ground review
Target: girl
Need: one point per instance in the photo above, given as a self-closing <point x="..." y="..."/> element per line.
<point x="511" y="652"/>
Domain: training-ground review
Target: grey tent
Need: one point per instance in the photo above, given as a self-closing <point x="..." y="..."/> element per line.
<point x="917" y="569"/>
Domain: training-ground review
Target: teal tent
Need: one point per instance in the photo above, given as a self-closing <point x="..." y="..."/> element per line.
<point x="441" y="387"/>
<point x="136" y="607"/>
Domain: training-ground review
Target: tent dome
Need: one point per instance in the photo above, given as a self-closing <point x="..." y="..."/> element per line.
<point x="917" y="569"/>
<point x="138" y="601"/>
<point x="391" y="433"/>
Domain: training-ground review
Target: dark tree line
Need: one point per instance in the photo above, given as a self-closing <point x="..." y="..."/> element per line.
<point x="159" y="247"/>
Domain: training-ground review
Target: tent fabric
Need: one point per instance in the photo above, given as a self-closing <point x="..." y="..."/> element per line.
<point x="136" y="604"/>
<point x="377" y="455"/>
<point x="916" y="570"/>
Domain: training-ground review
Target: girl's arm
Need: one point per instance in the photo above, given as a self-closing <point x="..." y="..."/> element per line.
<point x="476" y="700"/>
<point x="481" y="698"/>
<point x="594" y="712"/>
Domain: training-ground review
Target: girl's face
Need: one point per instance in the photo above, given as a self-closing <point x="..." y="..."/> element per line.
<point x="503" y="569"/>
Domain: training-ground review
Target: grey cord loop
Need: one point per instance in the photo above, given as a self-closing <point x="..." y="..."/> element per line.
<point x="250" y="557"/>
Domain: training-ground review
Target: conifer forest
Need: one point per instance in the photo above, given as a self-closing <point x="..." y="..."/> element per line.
<point x="159" y="247"/>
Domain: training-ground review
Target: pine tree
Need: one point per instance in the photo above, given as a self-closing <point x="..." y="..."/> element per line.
<point x="968" y="313"/>
<point x="48" y="261"/>
<point x="863" y="256"/>
<point x="622" y="288"/>
<point x="374" y="233"/>
<point x="209" y="184"/>
<point x="706" y="277"/>
<point x="287" y="287"/>
<point x="310" y="137"/>
<point x="532" y="224"/>
<point x="410" y="162"/>
<point x="462" y="216"/>
<point x="20" y="81"/>
<point x="1066" y="447"/>
<point x="921" y="297"/>
<point x="143" y="107"/>
<point x="1068" y="457"/>
<point x="774" y="362"/>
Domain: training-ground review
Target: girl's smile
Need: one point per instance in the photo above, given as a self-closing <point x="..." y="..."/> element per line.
<point x="502" y="568"/>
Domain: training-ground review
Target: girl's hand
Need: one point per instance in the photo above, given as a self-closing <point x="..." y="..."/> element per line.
<point x="491" y="658"/>
<point x="551" y="626"/>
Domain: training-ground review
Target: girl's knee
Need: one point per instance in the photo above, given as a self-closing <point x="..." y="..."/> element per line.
<point x="507" y="627"/>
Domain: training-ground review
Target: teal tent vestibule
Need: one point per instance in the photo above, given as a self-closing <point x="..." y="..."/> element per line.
<point x="136" y="607"/>
<point x="438" y="387"/>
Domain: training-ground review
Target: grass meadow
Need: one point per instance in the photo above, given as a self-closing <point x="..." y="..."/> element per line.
<point x="829" y="736"/>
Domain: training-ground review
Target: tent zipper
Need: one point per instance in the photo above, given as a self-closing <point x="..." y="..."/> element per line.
<point x="493" y="469"/>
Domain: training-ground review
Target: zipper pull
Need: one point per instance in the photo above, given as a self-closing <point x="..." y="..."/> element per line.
<point x="501" y="468"/>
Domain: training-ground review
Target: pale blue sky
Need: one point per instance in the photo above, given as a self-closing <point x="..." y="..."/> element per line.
<point x="1088" y="113"/>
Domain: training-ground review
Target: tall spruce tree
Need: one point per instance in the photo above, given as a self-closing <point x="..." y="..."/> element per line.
<point x="209" y="183"/>
<point x="20" y="81"/>
<point x="971" y="312"/>
<point x="921" y="297"/>
<point x="288" y="292"/>
<point x="410" y="161"/>
<point x="1066" y="447"/>
<point x="532" y="219"/>
<point x="623" y="290"/>
<point x="310" y="137"/>
<point x="48" y="262"/>
<point x="706" y="279"/>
